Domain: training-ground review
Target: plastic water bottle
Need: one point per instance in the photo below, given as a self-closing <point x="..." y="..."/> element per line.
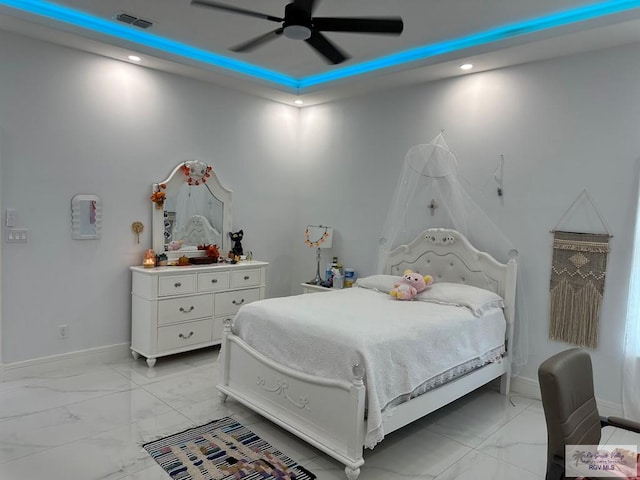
<point x="338" y="279"/>
<point x="327" y="273"/>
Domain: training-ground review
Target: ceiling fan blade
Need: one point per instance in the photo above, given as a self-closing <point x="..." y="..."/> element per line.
<point x="386" y="25"/>
<point x="232" y="9"/>
<point x="307" y="5"/>
<point x="325" y="48"/>
<point x="256" y="42"/>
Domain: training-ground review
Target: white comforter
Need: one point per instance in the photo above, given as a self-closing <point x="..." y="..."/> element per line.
<point x="401" y="344"/>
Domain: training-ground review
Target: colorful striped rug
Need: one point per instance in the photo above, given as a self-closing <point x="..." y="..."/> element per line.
<point x="223" y="449"/>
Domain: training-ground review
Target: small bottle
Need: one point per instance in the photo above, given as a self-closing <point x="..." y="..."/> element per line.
<point x="349" y="277"/>
<point x="338" y="265"/>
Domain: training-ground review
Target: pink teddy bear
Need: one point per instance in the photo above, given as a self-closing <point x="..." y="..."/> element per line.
<point x="410" y="285"/>
<point x="175" y="245"/>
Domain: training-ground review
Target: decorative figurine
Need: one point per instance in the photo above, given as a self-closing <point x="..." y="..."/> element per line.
<point x="162" y="260"/>
<point x="236" y="237"/>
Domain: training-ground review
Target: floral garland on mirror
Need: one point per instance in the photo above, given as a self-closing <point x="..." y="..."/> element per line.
<point x="196" y="172"/>
<point x="158" y="197"/>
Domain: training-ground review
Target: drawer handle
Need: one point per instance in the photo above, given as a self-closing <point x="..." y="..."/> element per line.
<point x="187" y="311"/>
<point x="185" y="336"/>
<point x="247" y="277"/>
<point x="214" y="280"/>
<point x="177" y="284"/>
<point x="238" y="303"/>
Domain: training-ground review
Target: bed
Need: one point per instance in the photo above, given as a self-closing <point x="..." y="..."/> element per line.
<point x="339" y="396"/>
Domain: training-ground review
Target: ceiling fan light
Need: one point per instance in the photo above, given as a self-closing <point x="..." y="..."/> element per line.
<point x="297" y="32"/>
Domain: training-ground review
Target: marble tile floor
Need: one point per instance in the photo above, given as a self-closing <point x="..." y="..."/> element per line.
<point x="88" y="422"/>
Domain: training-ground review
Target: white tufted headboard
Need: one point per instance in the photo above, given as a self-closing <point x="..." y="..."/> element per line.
<point x="448" y="256"/>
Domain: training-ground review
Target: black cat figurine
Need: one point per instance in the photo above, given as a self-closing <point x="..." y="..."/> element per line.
<point x="236" y="237"/>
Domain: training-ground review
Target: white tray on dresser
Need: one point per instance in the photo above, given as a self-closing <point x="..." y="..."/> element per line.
<point x="177" y="309"/>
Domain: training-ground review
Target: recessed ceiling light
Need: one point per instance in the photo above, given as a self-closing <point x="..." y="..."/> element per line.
<point x="298" y="102"/>
<point x="134" y="58"/>
<point x="466" y="66"/>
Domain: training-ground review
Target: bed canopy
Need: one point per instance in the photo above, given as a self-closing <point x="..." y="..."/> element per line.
<point x="430" y="194"/>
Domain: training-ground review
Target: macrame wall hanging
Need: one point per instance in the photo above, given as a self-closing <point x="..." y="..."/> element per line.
<point x="578" y="272"/>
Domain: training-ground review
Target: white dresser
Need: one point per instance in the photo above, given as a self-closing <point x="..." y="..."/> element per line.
<point x="177" y="309"/>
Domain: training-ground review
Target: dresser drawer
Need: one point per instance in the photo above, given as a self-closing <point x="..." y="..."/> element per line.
<point x="229" y="302"/>
<point x="184" y="334"/>
<point x="212" y="281"/>
<point x="185" y="308"/>
<point x="245" y="278"/>
<point x="176" y="285"/>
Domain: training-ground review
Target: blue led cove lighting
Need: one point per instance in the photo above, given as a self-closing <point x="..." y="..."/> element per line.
<point x="113" y="29"/>
<point x="525" y="27"/>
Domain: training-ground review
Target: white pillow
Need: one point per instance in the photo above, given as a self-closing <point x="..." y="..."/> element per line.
<point x="478" y="300"/>
<point x="381" y="283"/>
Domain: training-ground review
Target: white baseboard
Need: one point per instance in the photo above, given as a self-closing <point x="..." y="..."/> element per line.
<point x="530" y="388"/>
<point x="35" y="366"/>
<point x="526" y="387"/>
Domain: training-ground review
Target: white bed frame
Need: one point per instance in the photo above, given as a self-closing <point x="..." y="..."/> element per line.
<point x="330" y="414"/>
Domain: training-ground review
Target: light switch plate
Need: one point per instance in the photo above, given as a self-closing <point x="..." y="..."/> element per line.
<point x="12" y="217"/>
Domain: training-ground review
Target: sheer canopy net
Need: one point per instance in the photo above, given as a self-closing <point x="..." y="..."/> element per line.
<point x="430" y="194"/>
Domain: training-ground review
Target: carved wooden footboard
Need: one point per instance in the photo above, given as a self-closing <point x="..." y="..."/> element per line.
<point x="328" y="414"/>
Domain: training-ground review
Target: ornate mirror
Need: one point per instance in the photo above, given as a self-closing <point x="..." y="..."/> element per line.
<point x="191" y="208"/>
<point x="86" y="217"/>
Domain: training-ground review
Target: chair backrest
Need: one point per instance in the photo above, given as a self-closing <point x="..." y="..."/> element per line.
<point x="570" y="410"/>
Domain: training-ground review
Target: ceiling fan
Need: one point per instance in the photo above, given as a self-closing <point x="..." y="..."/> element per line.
<point x="300" y="24"/>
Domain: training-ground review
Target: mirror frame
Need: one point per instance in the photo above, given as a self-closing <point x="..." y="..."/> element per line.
<point x="76" y="220"/>
<point x="175" y="179"/>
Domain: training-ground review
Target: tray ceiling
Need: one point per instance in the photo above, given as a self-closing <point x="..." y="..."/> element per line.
<point x="437" y="37"/>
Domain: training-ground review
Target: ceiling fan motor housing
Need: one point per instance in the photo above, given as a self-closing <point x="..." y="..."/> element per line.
<point x="297" y="22"/>
<point x="300" y="24"/>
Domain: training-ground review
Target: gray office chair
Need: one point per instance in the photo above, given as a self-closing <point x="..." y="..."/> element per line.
<point x="570" y="410"/>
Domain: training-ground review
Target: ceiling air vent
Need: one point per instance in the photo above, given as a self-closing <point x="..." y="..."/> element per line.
<point x="132" y="20"/>
<point x="142" y="23"/>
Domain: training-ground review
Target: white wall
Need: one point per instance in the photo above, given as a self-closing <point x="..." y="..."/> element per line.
<point x="562" y="126"/>
<point x="78" y="123"/>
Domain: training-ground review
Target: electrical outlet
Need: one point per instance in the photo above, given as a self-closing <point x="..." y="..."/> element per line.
<point x="63" y="331"/>
<point x="17" y="235"/>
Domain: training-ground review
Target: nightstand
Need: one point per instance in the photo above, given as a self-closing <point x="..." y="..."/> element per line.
<point x="308" y="288"/>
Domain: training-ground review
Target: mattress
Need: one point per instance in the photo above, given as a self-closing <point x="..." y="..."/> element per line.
<point x="404" y="346"/>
